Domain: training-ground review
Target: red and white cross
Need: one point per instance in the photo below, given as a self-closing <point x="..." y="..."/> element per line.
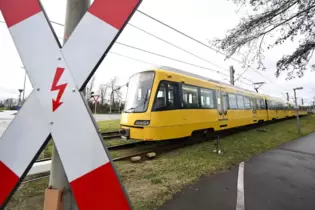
<point x="56" y="108"/>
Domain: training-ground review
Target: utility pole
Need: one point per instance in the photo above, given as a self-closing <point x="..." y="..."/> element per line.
<point x="297" y="109"/>
<point x="58" y="180"/>
<point x="232" y="71"/>
<point x="302" y="101"/>
<point x="288" y="98"/>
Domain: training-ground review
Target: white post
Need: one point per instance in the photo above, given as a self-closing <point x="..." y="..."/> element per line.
<point x="75" y="11"/>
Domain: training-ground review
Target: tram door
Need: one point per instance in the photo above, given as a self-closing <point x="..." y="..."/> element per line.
<point x="254" y="106"/>
<point x="222" y="105"/>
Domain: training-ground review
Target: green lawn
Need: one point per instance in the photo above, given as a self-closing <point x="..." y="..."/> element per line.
<point x="151" y="183"/>
<point x="109" y="125"/>
<point x="104" y="126"/>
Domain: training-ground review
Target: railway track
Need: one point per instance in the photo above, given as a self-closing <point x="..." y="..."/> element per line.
<point x="110" y="135"/>
<point x="166" y="146"/>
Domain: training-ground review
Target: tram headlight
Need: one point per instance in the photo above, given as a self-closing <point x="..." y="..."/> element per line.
<point x="142" y="122"/>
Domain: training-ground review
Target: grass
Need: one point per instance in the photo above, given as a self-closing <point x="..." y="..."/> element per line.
<point x="109" y="125"/>
<point x="151" y="183"/>
<point x="104" y="126"/>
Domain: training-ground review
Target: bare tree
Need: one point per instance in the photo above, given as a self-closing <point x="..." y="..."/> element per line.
<point x="114" y="91"/>
<point x="9" y="102"/>
<point x="103" y="91"/>
<point x="291" y="19"/>
<point x="1" y="104"/>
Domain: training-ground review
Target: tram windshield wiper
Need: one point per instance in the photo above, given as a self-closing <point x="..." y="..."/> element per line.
<point x="131" y="109"/>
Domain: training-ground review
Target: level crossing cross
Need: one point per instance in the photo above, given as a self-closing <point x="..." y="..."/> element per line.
<point x="56" y="108"/>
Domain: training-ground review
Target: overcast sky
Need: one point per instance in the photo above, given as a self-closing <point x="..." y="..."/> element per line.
<point x="202" y="19"/>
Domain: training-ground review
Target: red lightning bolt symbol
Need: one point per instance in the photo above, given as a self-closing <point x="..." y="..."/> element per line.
<point x="61" y="88"/>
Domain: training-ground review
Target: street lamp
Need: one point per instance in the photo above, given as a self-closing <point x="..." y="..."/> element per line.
<point x="20" y="91"/>
<point x="23" y="98"/>
<point x="297" y="109"/>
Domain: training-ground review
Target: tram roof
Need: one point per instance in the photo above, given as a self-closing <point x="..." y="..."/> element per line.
<point x="171" y="69"/>
<point x="167" y="68"/>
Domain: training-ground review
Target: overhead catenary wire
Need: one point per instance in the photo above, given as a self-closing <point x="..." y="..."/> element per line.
<point x="163" y="40"/>
<point x="170" y="58"/>
<point x="142" y="61"/>
<point x="159" y="38"/>
<point x="186" y="35"/>
<point x="163" y="56"/>
<point x="209" y="47"/>
<point x="180" y="48"/>
<point x="187" y="63"/>
<point x="131" y="58"/>
<point x="156" y="54"/>
<point x="197" y="41"/>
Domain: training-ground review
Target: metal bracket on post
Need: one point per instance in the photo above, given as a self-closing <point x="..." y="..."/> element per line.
<point x="217" y="146"/>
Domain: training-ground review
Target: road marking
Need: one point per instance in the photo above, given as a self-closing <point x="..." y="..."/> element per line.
<point x="240" y="188"/>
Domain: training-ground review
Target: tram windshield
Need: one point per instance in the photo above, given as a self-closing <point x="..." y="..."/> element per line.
<point x="139" y="90"/>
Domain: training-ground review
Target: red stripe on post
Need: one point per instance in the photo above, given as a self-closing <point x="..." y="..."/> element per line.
<point x="8" y="179"/>
<point x="113" y="12"/>
<point x="99" y="189"/>
<point x="15" y="11"/>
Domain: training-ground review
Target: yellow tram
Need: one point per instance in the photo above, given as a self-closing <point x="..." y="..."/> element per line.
<point x="168" y="103"/>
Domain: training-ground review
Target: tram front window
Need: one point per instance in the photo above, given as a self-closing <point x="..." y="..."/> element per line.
<point x="139" y="90"/>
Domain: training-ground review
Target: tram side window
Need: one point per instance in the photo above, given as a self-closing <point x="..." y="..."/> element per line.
<point x="232" y="101"/>
<point x="240" y="102"/>
<point x="254" y="103"/>
<point x="270" y="105"/>
<point x="247" y="103"/>
<point x="160" y="101"/>
<point x="170" y="94"/>
<point x="262" y="104"/>
<point x="166" y="97"/>
<point x="207" y="96"/>
<point x="190" y="96"/>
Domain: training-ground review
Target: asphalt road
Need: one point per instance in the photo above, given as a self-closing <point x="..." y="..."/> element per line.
<point x="7" y="116"/>
<point x="283" y="178"/>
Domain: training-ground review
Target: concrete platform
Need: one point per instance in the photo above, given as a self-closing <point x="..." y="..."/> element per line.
<point x="282" y="178"/>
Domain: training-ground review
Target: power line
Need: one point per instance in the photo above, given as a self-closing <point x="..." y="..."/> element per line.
<point x="240" y="75"/>
<point x="182" y="49"/>
<point x="142" y="61"/>
<point x="163" y="40"/>
<point x="131" y="58"/>
<point x="196" y="40"/>
<point x="163" y="56"/>
<point x="184" y="34"/>
<point x="177" y="60"/>
<point x="144" y="31"/>
<point x="170" y="58"/>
